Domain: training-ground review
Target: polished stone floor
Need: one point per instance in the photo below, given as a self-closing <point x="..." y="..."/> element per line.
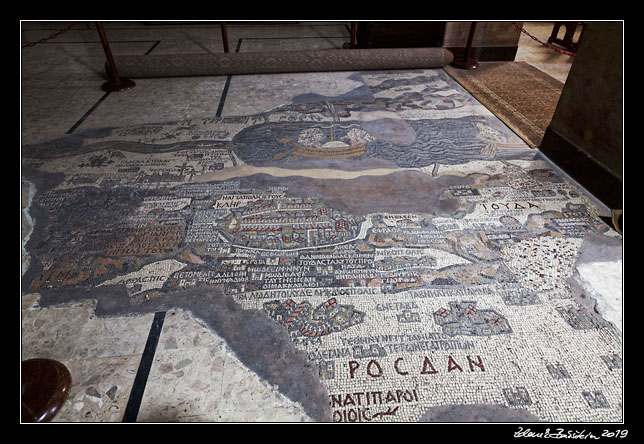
<point x="194" y="376"/>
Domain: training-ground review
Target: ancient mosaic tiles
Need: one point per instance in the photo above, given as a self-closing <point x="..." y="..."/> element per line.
<point x="412" y="246"/>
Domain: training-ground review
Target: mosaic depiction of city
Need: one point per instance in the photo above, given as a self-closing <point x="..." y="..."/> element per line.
<point x="414" y="247"/>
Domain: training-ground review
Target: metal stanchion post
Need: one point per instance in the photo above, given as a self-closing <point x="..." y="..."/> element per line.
<point x="467" y="62"/>
<point x="352" y="43"/>
<point x="224" y="36"/>
<point x="116" y="83"/>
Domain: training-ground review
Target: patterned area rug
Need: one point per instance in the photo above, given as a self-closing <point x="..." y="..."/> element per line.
<point x="320" y="60"/>
<point x="522" y="96"/>
<point x="400" y="256"/>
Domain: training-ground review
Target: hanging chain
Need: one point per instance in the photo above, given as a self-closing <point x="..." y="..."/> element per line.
<point x="572" y="54"/>
<point x="62" y="31"/>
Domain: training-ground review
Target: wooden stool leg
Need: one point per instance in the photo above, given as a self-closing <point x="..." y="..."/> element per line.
<point x="569" y="33"/>
<point x="45" y="387"/>
<point x="555" y="32"/>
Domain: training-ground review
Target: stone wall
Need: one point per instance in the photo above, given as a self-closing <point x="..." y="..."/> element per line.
<point x="585" y="135"/>
<point x="492" y="40"/>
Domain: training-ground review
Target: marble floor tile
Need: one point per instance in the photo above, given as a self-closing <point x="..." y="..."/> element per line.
<point x="171" y="100"/>
<point x="541" y="57"/>
<point x="196" y="378"/>
<point x="27" y="301"/>
<point x="245" y="395"/>
<point x="251" y="94"/>
<point x="112" y="336"/>
<point x="100" y="389"/>
<point x="50" y="332"/>
<point x="183" y="383"/>
<point x="181" y="330"/>
<point x="293" y="44"/>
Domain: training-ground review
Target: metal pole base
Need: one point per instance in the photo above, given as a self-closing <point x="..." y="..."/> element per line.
<point x="123" y="85"/>
<point x="465" y="64"/>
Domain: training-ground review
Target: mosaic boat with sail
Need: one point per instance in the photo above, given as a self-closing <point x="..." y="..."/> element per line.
<point x="332" y="142"/>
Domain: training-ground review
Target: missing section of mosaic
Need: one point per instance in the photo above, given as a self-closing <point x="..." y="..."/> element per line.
<point x="413" y="246"/>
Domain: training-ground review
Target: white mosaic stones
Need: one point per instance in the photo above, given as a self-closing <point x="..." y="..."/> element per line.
<point x="390" y="370"/>
<point x="149" y="277"/>
<point x="543" y="264"/>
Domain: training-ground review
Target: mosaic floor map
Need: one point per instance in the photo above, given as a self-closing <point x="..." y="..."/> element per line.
<point x="412" y="249"/>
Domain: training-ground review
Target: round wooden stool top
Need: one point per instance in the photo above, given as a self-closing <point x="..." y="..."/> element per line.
<point x="45" y="386"/>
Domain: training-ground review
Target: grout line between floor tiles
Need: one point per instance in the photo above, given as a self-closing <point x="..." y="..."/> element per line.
<point x="141" y="378"/>
<point x="224" y="93"/>
<point x="220" y="392"/>
<point x="86" y="115"/>
<point x="223" y="97"/>
<point x="152" y="48"/>
<point x="91" y="110"/>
